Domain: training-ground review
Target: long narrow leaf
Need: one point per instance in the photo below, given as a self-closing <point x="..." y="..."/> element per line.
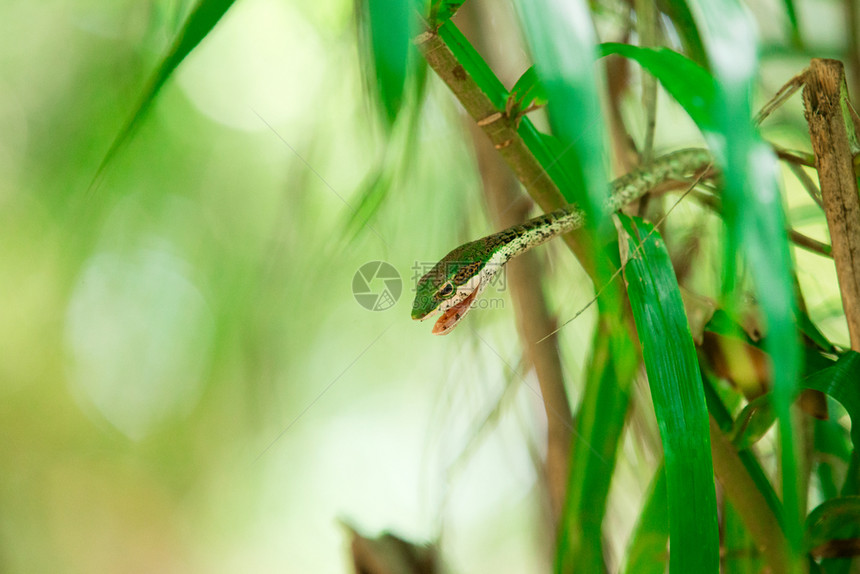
<point x="679" y="402"/>
<point x="199" y="23"/>
<point x="561" y="36"/>
<point x="679" y="12"/>
<point x="691" y="85"/>
<point x="599" y="424"/>
<point x="755" y="221"/>
<point x="840" y="382"/>
<point x="474" y="64"/>
<point x="647" y="551"/>
<point x="390" y="30"/>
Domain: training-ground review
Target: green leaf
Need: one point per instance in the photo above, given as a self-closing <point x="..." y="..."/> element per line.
<point x="834" y="519"/>
<point x="390" y="28"/>
<point x="679" y="402"/>
<point x="737" y="542"/>
<point x="442" y="10"/>
<point x="679" y="12"/>
<point x="548" y="150"/>
<point x="808" y="328"/>
<point x="646" y="553"/>
<point x="791" y="12"/>
<point x="752" y="212"/>
<point x="599" y="426"/>
<point x="560" y="35"/>
<point x="724" y="420"/>
<point x="199" y="23"/>
<point x="528" y="90"/>
<point x="753" y="422"/>
<point x="474" y="64"/>
<point x="840" y="382"/>
<point x="687" y="82"/>
<point x="372" y="193"/>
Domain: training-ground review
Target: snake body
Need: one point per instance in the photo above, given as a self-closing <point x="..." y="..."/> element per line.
<point x="453" y="284"/>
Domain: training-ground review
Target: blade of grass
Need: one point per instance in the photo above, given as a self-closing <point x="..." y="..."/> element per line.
<point x="679" y="402"/>
<point x="442" y="10"/>
<point x="840" y="382"/>
<point x="838" y="518"/>
<point x="679" y="12"/>
<point x="561" y="37"/>
<point x="646" y="553"/>
<point x="755" y="222"/>
<point x="686" y="81"/>
<point x="599" y="424"/>
<point x="390" y="28"/>
<point x="199" y="23"/>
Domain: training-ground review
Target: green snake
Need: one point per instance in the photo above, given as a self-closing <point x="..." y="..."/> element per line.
<point x="454" y="283"/>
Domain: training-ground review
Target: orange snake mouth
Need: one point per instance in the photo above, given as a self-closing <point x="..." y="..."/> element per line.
<point x="451" y="316"/>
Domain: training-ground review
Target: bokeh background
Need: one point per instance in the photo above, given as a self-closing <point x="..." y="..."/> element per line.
<point x="187" y="383"/>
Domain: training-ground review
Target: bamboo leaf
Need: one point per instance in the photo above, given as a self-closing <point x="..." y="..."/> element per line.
<point x="753" y="215"/>
<point x="691" y="85"/>
<point x="599" y="424"/>
<point x="442" y="10"/>
<point x="753" y="422"/>
<point x="550" y="152"/>
<point x="836" y="519"/>
<point x="390" y="30"/>
<point x="679" y="12"/>
<point x="840" y="382"/>
<point x="794" y="26"/>
<point x="646" y="553"/>
<point x="528" y="90"/>
<point x="199" y="23"/>
<point x="679" y="402"/>
<point x="561" y="37"/>
<point x="474" y="64"/>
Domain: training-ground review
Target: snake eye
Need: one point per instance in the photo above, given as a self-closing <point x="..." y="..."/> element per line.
<point x="446" y="290"/>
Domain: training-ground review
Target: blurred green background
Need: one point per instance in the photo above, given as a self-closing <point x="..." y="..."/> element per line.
<point x="187" y="383"/>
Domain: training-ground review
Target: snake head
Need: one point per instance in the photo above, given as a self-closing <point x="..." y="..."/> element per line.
<point x="452" y="286"/>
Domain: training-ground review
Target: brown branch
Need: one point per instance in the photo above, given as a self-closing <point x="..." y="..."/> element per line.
<point x="502" y="131"/>
<point x="807" y="183"/>
<point x="748" y="500"/>
<point x="795" y="157"/>
<point x="825" y="99"/>
<point x="804" y="241"/>
<point x="509" y="207"/>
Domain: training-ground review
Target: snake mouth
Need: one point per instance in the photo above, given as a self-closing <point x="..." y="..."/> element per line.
<point x="451" y="316"/>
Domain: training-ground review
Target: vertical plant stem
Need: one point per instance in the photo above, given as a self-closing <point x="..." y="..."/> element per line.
<point x="834" y="141"/>
<point x="509" y="207"/>
<point x="748" y="500"/>
<point x="502" y="132"/>
<point x="647" y="28"/>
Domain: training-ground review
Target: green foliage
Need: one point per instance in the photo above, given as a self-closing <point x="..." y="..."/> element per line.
<point x="688" y="83"/>
<point x="390" y="28"/>
<point x="711" y="76"/>
<point x="679" y="401"/>
<point x="563" y="48"/>
<point x="646" y="553"/>
<point x="202" y="19"/>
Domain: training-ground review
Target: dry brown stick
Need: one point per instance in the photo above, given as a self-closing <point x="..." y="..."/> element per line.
<point x="748" y="501"/>
<point x="825" y="99"/>
<point x="502" y="131"/>
<point x="795" y="157"/>
<point x="509" y="207"/>
<point x="804" y="241"/>
<point x="806" y="181"/>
